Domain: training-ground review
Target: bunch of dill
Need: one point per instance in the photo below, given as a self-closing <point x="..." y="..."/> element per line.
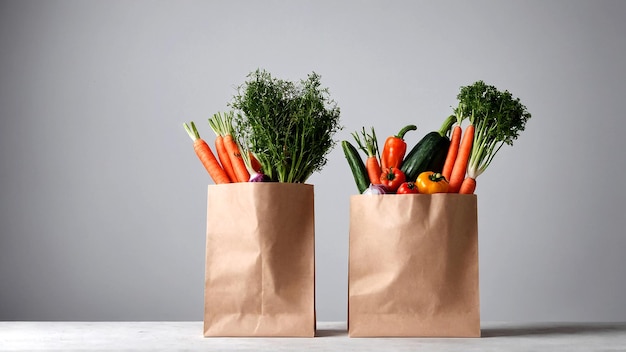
<point x="288" y="126"/>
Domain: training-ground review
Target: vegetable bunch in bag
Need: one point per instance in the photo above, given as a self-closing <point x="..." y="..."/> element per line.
<point x="278" y="131"/>
<point x="396" y="171"/>
<point x="287" y="126"/>
<point x="495" y="118"/>
<point x="444" y="161"/>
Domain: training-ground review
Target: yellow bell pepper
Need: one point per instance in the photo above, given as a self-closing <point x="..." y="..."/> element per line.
<point x="429" y="182"/>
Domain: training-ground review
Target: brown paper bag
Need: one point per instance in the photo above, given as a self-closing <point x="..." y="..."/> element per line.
<point x="413" y="266"/>
<point x="260" y="252"/>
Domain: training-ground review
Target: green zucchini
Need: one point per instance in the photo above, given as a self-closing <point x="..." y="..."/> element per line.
<point x="356" y="165"/>
<point x="429" y="154"/>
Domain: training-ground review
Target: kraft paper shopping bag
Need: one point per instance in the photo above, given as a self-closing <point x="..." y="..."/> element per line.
<point x="413" y="266"/>
<point x="260" y="260"/>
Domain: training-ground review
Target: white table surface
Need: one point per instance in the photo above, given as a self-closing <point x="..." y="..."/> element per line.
<point x="331" y="336"/>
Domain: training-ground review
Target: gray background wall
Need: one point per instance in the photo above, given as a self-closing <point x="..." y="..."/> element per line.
<point x="102" y="203"/>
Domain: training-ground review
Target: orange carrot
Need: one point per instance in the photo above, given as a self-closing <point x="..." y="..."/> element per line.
<point x="254" y="163"/>
<point x="223" y="156"/>
<point x="369" y="145"/>
<point x="222" y="125"/>
<point x="206" y="156"/>
<point x="239" y="166"/>
<point x="455" y="139"/>
<point x="460" y="164"/>
<point x="216" y="126"/>
<point x="373" y="169"/>
<point x="468" y="186"/>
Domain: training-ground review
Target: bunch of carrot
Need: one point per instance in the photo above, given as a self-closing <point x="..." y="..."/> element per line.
<point x="495" y="118"/>
<point x="230" y="167"/>
<point x="455" y="166"/>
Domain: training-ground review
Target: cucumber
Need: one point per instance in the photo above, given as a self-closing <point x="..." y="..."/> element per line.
<point x="356" y="165"/>
<point x="429" y="154"/>
<point x="418" y="159"/>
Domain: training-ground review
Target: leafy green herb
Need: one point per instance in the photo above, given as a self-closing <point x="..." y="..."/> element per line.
<point x="498" y="118"/>
<point x="289" y="127"/>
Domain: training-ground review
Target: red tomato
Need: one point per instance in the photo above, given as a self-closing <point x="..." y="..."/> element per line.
<point x="407" y="188"/>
